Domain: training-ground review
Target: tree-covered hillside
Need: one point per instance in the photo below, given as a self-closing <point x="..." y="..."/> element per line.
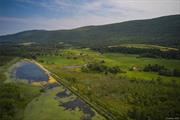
<point x="160" y="31"/>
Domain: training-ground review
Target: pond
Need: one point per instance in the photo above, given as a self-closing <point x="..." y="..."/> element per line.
<point x="25" y="70"/>
<point x="72" y="105"/>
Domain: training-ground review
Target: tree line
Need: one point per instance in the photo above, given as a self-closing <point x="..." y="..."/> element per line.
<point x="143" y="52"/>
<point x="30" y="51"/>
<point x="161" y="70"/>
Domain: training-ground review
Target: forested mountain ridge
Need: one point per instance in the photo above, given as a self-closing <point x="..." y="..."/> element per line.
<point x="160" y="31"/>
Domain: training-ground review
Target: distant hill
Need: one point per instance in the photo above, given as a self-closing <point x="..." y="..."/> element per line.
<point x="159" y="31"/>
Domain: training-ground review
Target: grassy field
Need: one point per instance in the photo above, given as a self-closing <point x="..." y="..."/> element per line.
<point x="134" y="95"/>
<point x="127" y="61"/>
<point x="47" y="107"/>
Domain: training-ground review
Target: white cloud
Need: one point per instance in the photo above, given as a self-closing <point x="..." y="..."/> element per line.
<point x="144" y="8"/>
<point x="151" y="7"/>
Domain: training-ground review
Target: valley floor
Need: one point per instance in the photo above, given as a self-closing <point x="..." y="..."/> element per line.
<point x="129" y="94"/>
<point x="132" y="94"/>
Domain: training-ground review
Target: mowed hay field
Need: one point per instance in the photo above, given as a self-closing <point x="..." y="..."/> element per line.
<point x="127" y="61"/>
<point x="129" y="95"/>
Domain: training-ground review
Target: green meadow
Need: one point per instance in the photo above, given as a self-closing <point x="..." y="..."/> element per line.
<point x="47" y="107"/>
<point x="79" y="57"/>
<point x="135" y="94"/>
<point x="127" y="60"/>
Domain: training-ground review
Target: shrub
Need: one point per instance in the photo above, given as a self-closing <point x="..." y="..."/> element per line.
<point x="100" y="68"/>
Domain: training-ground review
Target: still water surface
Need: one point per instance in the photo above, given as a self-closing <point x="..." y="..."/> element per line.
<point x="30" y="71"/>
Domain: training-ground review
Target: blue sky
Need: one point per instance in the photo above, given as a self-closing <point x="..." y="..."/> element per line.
<point x="19" y="15"/>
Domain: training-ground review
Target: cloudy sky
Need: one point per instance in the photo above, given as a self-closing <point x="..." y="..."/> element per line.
<point x="19" y="15"/>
